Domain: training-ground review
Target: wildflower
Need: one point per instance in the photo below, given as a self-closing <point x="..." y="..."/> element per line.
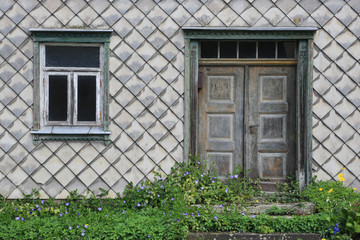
<point x="36" y="206"/>
<point x="86" y="225"/>
<point x="226" y="190"/>
<point x="336" y="229"/>
<point x="99" y="208"/>
<point x="17" y="218"/>
<point x="231" y="176"/>
<point x="67" y="204"/>
<point x="331" y="190"/>
<point x="60" y="214"/>
<point x="202" y="188"/>
<point x="70" y="227"/>
<point x="66" y="212"/>
<point x="343" y="168"/>
<point x="341" y="177"/>
<point x="123" y="212"/>
<point x="124" y="201"/>
<point x="323" y="239"/>
<point x="42" y="201"/>
<point x="139" y="205"/>
<point x="243" y="214"/>
<point x="82" y="230"/>
<point x="253" y="216"/>
<point x="164" y="213"/>
<point x="199" y="215"/>
<point x="82" y="234"/>
<point x="15" y="209"/>
<point x="172" y="199"/>
<point x="196" y="181"/>
<point x="320" y="189"/>
<point x="142" y="187"/>
<point x="212" y="181"/>
<point x="236" y="176"/>
<point x="77" y="226"/>
<point x="149" y="236"/>
<point x="29" y="213"/>
<point x="22" y="219"/>
<point x="354" y="188"/>
<point x="216" y="218"/>
<point x="220" y="206"/>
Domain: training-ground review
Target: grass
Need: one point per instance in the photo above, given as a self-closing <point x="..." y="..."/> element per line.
<point x="169" y="209"/>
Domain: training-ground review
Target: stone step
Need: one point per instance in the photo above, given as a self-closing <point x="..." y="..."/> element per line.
<point x="252" y="236"/>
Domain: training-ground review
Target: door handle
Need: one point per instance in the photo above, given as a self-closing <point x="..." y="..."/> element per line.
<point x="252" y="129"/>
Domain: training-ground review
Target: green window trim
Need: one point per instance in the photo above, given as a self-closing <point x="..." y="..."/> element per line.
<point x="70" y="133"/>
<point x="303" y="35"/>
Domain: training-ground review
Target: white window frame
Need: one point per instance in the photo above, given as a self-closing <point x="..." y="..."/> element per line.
<point x="72" y="73"/>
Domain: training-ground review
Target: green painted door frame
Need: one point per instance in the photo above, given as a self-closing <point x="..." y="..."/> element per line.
<point x="304" y="37"/>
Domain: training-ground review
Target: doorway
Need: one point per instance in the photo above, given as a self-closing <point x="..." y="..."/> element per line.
<point x="251" y="123"/>
<point x="247" y="117"/>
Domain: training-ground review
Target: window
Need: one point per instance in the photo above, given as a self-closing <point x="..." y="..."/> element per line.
<point x="248" y="49"/>
<point x="70" y="83"/>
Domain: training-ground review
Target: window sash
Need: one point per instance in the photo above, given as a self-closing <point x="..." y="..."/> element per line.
<point x="72" y="104"/>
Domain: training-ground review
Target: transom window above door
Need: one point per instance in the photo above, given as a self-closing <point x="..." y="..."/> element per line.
<point x="248" y="49"/>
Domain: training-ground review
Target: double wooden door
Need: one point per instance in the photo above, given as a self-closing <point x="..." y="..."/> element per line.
<point x="247" y="117"/>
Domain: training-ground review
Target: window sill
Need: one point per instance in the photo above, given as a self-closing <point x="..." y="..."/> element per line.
<point x="66" y="133"/>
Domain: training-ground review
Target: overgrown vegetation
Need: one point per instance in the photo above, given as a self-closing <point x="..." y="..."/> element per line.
<point x="170" y="208"/>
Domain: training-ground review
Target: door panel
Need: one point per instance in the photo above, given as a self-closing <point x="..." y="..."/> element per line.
<point x="221" y="117"/>
<point x="271" y="138"/>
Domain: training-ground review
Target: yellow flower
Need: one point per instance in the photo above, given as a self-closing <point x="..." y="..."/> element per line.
<point x="341" y="179"/>
<point x="343" y="168"/>
<point x="320" y="189"/>
<point x="330" y="191"/>
<point x="340" y="175"/>
<point x="354" y="188"/>
<point x="323" y="239"/>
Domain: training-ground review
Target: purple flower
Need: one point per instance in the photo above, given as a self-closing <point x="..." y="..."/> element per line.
<point x="15" y="209"/>
<point x="220" y="206"/>
<point x="196" y="181"/>
<point x="124" y="201"/>
<point x="82" y="234"/>
<point x="199" y="215"/>
<point x="226" y="190"/>
<point x="29" y="213"/>
<point x="149" y="236"/>
<point x="22" y="219"/>
<point x="252" y="216"/>
<point x="66" y="212"/>
<point x="67" y="204"/>
<point x="172" y="199"/>
<point x="42" y="201"/>
<point x="243" y="214"/>
<point x="202" y="188"/>
<point x="236" y="176"/>
<point x="212" y="181"/>
<point x="231" y="176"/>
<point x="99" y="208"/>
<point x="216" y="218"/>
<point x="60" y="214"/>
<point x="142" y="187"/>
<point x="17" y="218"/>
<point x="77" y="226"/>
<point x="123" y="212"/>
<point x="70" y="227"/>
<point x="36" y="206"/>
<point x="139" y="205"/>
<point x="164" y="213"/>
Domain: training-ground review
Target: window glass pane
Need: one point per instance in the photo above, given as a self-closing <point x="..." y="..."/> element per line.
<point x="266" y="49"/>
<point x="69" y="56"/>
<point x="209" y="49"/>
<point x="86" y="98"/>
<point x="286" y="49"/>
<point x="247" y="49"/>
<point x="58" y="98"/>
<point x="228" y="49"/>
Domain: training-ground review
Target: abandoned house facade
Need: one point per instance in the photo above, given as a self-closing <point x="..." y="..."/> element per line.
<point x="99" y="93"/>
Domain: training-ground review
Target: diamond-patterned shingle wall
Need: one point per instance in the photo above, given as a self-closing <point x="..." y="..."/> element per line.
<point x="147" y="87"/>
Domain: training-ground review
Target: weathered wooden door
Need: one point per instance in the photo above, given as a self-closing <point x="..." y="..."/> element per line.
<point x="221" y="117"/>
<point x="247" y="117"/>
<point x="271" y="124"/>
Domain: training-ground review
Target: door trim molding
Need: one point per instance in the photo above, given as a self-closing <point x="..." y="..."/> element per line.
<point x="304" y="36"/>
